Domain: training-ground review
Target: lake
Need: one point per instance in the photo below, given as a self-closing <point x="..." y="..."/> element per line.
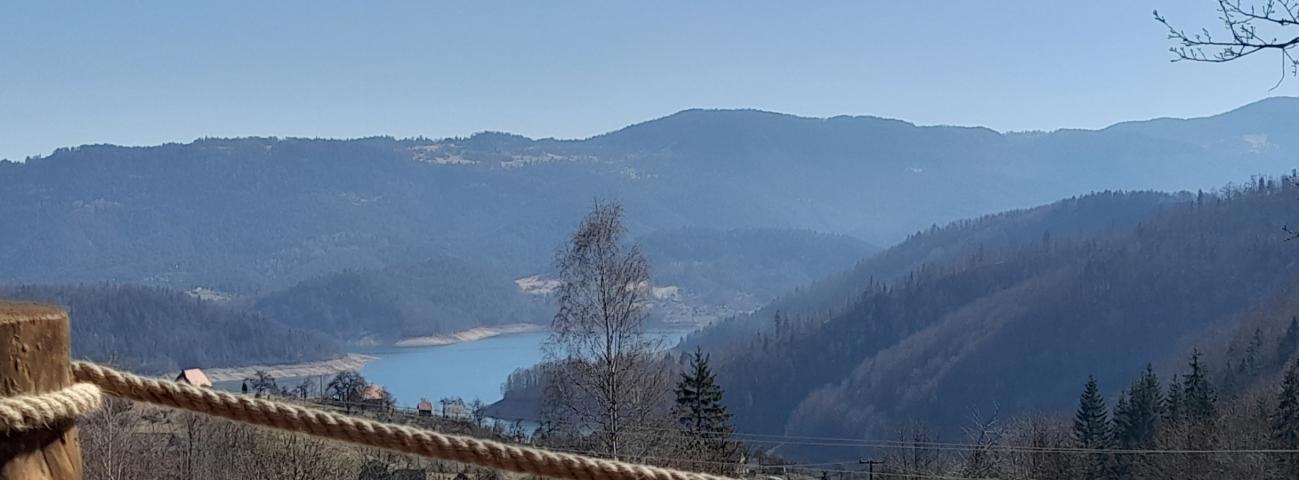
<point x="467" y="370"/>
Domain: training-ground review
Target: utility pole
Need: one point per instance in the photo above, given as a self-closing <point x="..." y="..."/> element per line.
<point x="870" y="467"/>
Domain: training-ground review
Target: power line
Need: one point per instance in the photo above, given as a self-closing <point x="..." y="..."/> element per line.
<point x="804" y="467"/>
<point x="774" y="439"/>
<point x="840" y="442"/>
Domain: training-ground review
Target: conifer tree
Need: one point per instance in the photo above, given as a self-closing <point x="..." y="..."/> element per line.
<point x="1119" y="418"/>
<point x="1249" y="363"/>
<point x="1174" y="405"/>
<point x="1091" y="428"/>
<point x="1198" y="394"/>
<point x="1120" y="421"/>
<point x="1285" y="422"/>
<point x="1137" y="417"/>
<point x="1289" y="342"/>
<point x="701" y="416"/>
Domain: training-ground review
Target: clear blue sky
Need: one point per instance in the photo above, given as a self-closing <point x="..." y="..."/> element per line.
<point x="150" y="72"/>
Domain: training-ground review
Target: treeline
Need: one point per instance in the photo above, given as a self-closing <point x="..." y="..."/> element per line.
<point x="1183" y="427"/>
<point x="156" y="330"/>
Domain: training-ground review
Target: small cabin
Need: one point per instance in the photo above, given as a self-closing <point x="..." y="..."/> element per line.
<point x="425" y="408"/>
<point x="195" y="377"/>
<point x="374" y="395"/>
<point x="456" y="410"/>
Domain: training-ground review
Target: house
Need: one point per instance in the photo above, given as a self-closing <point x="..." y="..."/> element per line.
<point x="374" y="395"/>
<point x="456" y="409"/>
<point x="425" y="408"/>
<point x="195" y="377"/>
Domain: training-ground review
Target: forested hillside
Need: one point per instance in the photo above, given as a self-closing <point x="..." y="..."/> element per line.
<point x="438" y="295"/>
<point x="1016" y="327"/>
<point x="251" y="215"/>
<point x="745" y="268"/>
<point x="154" y="330"/>
<point x="1085" y="216"/>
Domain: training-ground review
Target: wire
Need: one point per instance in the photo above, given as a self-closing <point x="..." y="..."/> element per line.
<point x="774" y="439"/>
<point x="796" y="467"/>
<point x="840" y="442"/>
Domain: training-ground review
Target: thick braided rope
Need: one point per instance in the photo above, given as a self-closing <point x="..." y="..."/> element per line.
<point x="320" y="423"/>
<point x="27" y="412"/>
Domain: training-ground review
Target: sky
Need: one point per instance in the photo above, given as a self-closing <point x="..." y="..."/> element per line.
<point x="144" y="73"/>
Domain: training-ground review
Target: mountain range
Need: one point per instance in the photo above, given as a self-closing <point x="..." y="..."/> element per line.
<point x="738" y="211"/>
<point x="254" y="214"/>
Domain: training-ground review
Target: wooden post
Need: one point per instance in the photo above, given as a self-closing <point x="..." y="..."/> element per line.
<point x="34" y="358"/>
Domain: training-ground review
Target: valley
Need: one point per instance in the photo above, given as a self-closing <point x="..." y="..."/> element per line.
<point x="379" y="257"/>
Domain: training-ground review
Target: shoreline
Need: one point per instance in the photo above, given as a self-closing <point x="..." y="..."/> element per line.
<point x="350" y="361"/>
<point x="357" y="361"/>
<point x="470" y="335"/>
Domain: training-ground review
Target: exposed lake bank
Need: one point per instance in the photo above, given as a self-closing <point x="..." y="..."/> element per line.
<point x="470" y="335"/>
<point x="351" y="361"/>
<point x="470" y="364"/>
<point x="358" y="361"/>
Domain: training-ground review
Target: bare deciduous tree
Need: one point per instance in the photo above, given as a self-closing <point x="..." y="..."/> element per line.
<point x="262" y="383"/>
<point x="1247" y="27"/>
<point x="113" y="447"/>
<point x="347" y="388"/>
<point x="605" y="381"/>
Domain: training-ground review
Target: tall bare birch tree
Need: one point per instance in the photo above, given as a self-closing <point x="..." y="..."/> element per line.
<point x="605" y="379"/>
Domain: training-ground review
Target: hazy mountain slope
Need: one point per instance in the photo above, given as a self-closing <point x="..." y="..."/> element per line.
<point x="255" y="214"/>
<point x="155" y="330"/>
<point x="1018" y="328"/>
<point x="1086" y="216"/>
<point x="439" y="295"/>
<point x="1252" y="131"/>
<point x="745" y="268"/>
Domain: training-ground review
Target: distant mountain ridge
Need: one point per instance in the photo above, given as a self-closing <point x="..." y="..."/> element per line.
<point x="256" y="214"/>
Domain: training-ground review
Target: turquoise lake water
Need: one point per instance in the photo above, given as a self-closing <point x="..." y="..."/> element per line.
<point x="467" y="370"/>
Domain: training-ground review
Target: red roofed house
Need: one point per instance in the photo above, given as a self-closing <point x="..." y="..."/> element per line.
<point x="375" y="395"/>
<point x="195" y="377"/>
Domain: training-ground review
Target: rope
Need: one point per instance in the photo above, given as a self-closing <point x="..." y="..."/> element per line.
<point x="485" y="453"/>
<point x="28" y="412"/>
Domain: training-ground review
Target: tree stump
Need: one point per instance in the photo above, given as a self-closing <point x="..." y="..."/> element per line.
<point x="34" y="358"/>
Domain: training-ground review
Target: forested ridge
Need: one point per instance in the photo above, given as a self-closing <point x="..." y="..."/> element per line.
<point x="434" y="296"/>
<point x="310" y="229"/>
<point x="156" y="330"/>
<point x="1016" y="327"/>
<point x="249" y="215"/>
<point x="1089" y="215"/>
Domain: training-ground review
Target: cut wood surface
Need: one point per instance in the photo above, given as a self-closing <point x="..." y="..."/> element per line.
<point x="35" y="348"/>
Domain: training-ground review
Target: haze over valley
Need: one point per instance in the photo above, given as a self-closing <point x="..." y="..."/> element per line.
<point x="371" y="241"/>
<point x="645" y="241"/>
